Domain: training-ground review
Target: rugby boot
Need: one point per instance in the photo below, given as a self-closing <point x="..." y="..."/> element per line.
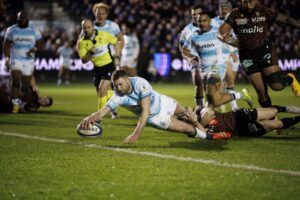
<point x="295" y="85"/>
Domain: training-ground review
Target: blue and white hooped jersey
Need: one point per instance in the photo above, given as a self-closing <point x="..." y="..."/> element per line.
<point x="140" y="89"/>
<point x="22" y="40"/>
<point x="131" y="46"/>
<point x="185" y="33"/>
<point x="217" y="22"/>
<point x="208" y="47"/>
<point x="110" y="27"/>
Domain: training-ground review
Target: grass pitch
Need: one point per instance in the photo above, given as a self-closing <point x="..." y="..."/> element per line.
<point x="42" y="157"/>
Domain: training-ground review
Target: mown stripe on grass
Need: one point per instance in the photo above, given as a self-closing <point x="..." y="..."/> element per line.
<point x="157" y="155"/>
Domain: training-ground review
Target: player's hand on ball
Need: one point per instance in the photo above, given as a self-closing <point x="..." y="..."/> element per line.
<point x="131" y="139"/>
<point x="85" y="123"/>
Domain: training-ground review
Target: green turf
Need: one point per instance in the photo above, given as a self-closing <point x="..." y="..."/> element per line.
<point x="35" y="169"/>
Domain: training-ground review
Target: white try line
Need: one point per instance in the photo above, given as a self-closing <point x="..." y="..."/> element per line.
<point x="157" y="155"/>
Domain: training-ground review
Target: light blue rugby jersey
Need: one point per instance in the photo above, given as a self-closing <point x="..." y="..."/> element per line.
<point x="22" y="40"/>
<point x="208" y="47"/>
<point x="110" y="27"/>
<point x="185" y="33"/>
<point x="141" y="89"/>
<point x="217" y="22"/>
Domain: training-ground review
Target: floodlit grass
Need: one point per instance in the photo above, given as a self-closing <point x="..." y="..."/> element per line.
<point x="36" y="169"/>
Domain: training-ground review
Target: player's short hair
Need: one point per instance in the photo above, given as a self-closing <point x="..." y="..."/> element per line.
<point x="118" y="74"/>
<point x="209" y="14"/>
<point x="196" y="7"/>
<point x="100" y="5"/>
<point x="225" y="3"/>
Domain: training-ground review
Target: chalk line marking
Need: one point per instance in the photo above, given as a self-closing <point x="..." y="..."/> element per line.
<point x="157" y="155"/>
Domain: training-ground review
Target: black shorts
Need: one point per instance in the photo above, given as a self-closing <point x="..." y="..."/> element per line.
<point x="254" y="61"/>
<point x="103" y="72"/>
<point x="246" y="123"/>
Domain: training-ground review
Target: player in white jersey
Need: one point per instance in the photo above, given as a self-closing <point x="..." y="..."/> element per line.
<point x="20" y="44"/>
<point x="130" y="50"/>
<point x="209" y="49"/>
<point x="233" y="61"/>
<point x="191" y="27"/>
<point x="65" y="53"/>
<point x="160" y="111"/>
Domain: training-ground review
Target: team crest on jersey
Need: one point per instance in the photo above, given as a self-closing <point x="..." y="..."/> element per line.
<point x="241" y="21"/>
<point x="247" y="63"/>
<point x="143" y="87"/>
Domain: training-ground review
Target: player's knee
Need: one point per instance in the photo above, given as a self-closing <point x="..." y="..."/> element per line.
<point x="277" y="86"/>
<point x="276" y="81"/>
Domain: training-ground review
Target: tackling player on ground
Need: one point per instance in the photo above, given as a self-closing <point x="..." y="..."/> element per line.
<point x="242" y="122"/>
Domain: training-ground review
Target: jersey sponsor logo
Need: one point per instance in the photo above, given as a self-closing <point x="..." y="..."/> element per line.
<point x="23" y="39"/>
<point x="255" y="29"/>
<point x="247" y="63"/>
<point x="205" y="46"/>
<point x="241" y="21"/>
<point x="258" y="19"/>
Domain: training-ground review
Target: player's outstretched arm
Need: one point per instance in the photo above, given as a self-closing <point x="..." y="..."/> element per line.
<point x="282" y="18"/>
<point x="145" y="103"/>
<point x="96" y="116"/>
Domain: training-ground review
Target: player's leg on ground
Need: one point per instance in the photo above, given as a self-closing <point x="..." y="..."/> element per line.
<point x="266" y="113"/>
<point x="261" y="89"/>
<point x="284" y="123"/>
<point x="177" y="125"/>
<point x="270" y="125"/>
<point x="199" y="88"/>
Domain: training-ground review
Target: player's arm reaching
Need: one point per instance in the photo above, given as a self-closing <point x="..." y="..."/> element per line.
<point x="92" y="118"/>
<point x="282" y="18"/>
<point x="145" y="104"/>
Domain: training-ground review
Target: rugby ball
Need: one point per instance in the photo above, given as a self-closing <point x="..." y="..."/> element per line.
<point x="94" y="131"/>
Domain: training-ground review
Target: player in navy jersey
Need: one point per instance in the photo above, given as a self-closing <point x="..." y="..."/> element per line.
<point x="242" y="122"/>
<point x="257" y="54"/>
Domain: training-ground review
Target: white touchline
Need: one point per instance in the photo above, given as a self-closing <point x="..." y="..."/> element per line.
<point x="145" y="153"/>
